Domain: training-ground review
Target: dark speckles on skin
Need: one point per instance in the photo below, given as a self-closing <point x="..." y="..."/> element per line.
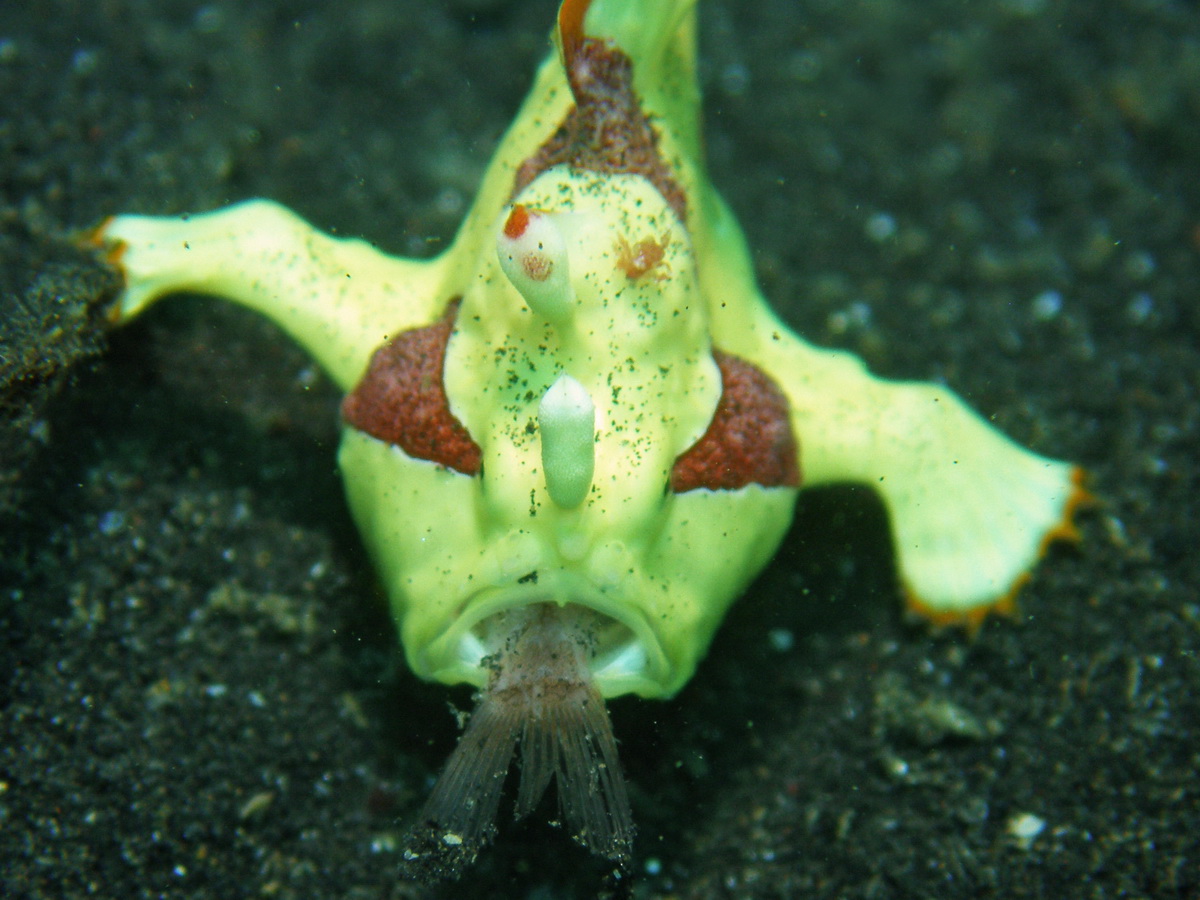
<point x="1139" y="839"/>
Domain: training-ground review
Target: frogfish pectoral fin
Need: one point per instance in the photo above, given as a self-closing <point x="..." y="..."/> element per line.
<point x="542" y="703"/>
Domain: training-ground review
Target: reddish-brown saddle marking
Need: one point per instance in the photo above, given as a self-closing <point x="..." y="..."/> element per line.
<point x="402" y="399"/>
<point x="749" y="440"/>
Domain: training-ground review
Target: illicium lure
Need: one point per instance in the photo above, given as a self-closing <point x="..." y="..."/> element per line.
<point x="573" y="439"/>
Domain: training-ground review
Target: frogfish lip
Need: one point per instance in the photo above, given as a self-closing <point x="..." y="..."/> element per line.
<point x="628" y="657"/>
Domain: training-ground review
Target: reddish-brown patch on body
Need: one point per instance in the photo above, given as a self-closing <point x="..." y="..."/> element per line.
<point x="606" y="130"/>
<point x="402" y="399"/>
<point x="749" y="440"/>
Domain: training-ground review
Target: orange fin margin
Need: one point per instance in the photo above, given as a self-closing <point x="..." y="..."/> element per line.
<point x="113" y="253"/>
<point x="971" y="620"/>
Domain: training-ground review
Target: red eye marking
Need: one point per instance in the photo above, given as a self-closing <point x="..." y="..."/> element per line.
<point x="402" y="399"/>
<point x="749" y="440"/>
<point x="517" y="222"/>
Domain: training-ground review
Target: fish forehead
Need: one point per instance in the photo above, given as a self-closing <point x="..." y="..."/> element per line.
<point x="638" y="345"/>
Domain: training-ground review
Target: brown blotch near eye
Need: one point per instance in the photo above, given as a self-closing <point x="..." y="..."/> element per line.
<point x="635" y="260"/>
<point x="402" y="399"/>
<point x="749" y="440"/>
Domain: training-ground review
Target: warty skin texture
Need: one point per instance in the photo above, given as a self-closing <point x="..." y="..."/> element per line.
<point x="970" y="511"/>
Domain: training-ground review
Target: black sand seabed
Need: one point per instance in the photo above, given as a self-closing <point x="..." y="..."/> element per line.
<point x="202" y="695"/>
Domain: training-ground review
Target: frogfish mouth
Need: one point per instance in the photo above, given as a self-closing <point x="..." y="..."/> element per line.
<point x="540" y="703"/>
